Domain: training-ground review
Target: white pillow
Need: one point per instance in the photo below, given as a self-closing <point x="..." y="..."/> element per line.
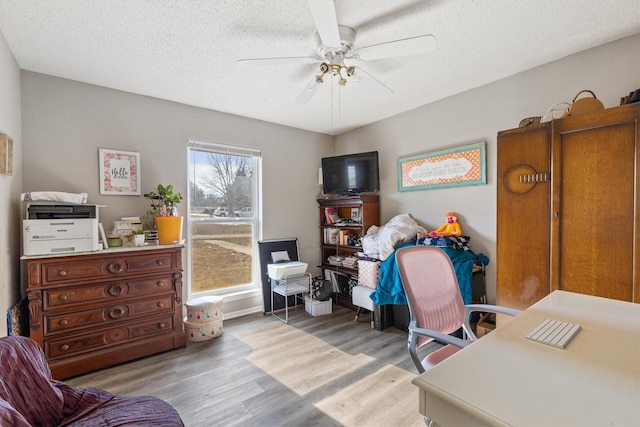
<point x="400" y="229"/>
<point x="370" y="242"/>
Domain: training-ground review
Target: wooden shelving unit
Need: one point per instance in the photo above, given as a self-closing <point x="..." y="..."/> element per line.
<point x="357" y="213"/>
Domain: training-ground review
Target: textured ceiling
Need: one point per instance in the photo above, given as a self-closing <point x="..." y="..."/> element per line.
<point x="187" y="51"/>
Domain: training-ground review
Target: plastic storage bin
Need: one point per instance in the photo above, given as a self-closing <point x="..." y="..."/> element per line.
<point x="317" y="308"/>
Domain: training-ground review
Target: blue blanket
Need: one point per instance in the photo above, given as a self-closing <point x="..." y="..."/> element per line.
<point x="390" y="291"/>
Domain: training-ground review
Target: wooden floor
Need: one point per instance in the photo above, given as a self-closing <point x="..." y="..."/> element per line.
<point x="316" y="371"/>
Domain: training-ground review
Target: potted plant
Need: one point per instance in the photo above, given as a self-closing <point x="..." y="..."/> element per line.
<point x="138" y="237"/>
<point x="164" y="209"/>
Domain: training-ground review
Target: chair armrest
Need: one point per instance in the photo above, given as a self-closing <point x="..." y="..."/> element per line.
<point x="439" y="336"/>
<point x="488" y="308"/>
<point x="485" y="308"/>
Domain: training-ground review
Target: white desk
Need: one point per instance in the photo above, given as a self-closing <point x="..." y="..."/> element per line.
<point x="505" y="379"/>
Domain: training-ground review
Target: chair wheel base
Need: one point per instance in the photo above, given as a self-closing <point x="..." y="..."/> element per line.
<point x="430" y="423"/>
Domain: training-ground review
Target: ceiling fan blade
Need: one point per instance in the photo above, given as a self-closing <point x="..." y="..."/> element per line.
<point x="410" y="46"/>
<point x="307" y="93"/>
<point x="324" y="15"/>
<point x="360" y="69"/>
<point x="278" y="61"/>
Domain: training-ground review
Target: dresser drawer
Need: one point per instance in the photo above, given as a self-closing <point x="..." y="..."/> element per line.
<point x="63" y="272"/>
<point x="110" y="291"/>
<point x="121" y="311"/>
<point x="82" y="342"/>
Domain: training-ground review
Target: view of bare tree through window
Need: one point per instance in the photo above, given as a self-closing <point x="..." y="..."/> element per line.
<point x="222" y="219"/>
<point x="228" y="180"/>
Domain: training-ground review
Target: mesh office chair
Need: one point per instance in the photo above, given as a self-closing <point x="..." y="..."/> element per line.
<point x="435" y="304"/>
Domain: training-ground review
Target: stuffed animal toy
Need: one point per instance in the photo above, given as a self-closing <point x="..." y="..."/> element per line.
<point x="449" y="228"/>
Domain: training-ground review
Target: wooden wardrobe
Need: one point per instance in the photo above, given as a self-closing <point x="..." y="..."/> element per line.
<point x="567" y="208"/>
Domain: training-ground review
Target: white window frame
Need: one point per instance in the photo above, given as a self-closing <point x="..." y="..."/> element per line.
<point x="239" y="291"/>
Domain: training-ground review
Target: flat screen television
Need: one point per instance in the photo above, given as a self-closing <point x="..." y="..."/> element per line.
<point x="350" y="174"/>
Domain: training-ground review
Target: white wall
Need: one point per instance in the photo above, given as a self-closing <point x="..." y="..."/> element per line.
<point x="66" y="122"/>
<point x="611" y="71"/>
<point x="10" y="185"/>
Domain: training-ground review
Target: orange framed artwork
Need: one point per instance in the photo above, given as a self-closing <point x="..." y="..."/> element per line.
<point x="454" y="167"/>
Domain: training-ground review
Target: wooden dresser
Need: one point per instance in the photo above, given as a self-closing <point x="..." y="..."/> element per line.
<point x="92" y="310"/>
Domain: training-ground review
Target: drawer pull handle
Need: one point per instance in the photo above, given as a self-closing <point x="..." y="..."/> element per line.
<point x="64" y="347"/>
<point x="117" y="312"/>
<point x="160" y="304"/>
<point x="116" y="290"/>
<point x="160" y="283"/>
<point x="162" y="325"/>
<point x="160" y="262"/>
<point x="64" y="322"/>
<point x="62" y="272"/>
<point x="115" y="267"/>
<point x="63" y="297"/>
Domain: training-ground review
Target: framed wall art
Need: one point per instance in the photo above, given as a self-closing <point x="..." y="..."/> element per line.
<point x="119" y="172"/>
<point x="355" y="214"/>
<point x="454" y="167"/>
<point x="6" y="154"/>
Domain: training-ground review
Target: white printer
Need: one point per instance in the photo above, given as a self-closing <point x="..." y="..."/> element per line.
<point x="53" y="228"/>
<point x="282" y="267"/>
<point x="283" y="270"/>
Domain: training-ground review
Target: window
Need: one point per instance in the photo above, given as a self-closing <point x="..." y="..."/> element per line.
<point x="223" y="224"/>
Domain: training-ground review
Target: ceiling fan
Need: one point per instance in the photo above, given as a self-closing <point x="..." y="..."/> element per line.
<point x="337" y="54"/>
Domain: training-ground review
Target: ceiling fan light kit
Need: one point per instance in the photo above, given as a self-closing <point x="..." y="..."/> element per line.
<point x="336" y="44"/>
<point x="334" y="56"/>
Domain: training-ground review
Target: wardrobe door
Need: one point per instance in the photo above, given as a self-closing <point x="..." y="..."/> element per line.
<point x="595" y="203"/>
<point x="523" y="216"/>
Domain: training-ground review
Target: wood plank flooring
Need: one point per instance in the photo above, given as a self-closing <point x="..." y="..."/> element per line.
<point x="315" y="371"/>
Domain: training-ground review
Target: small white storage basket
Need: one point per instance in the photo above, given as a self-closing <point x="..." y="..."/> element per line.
<point x="203" y="331"/>
<point x="317" y="308"/>
<point x="204" y="318"/>
<point x="204" y="309"/>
